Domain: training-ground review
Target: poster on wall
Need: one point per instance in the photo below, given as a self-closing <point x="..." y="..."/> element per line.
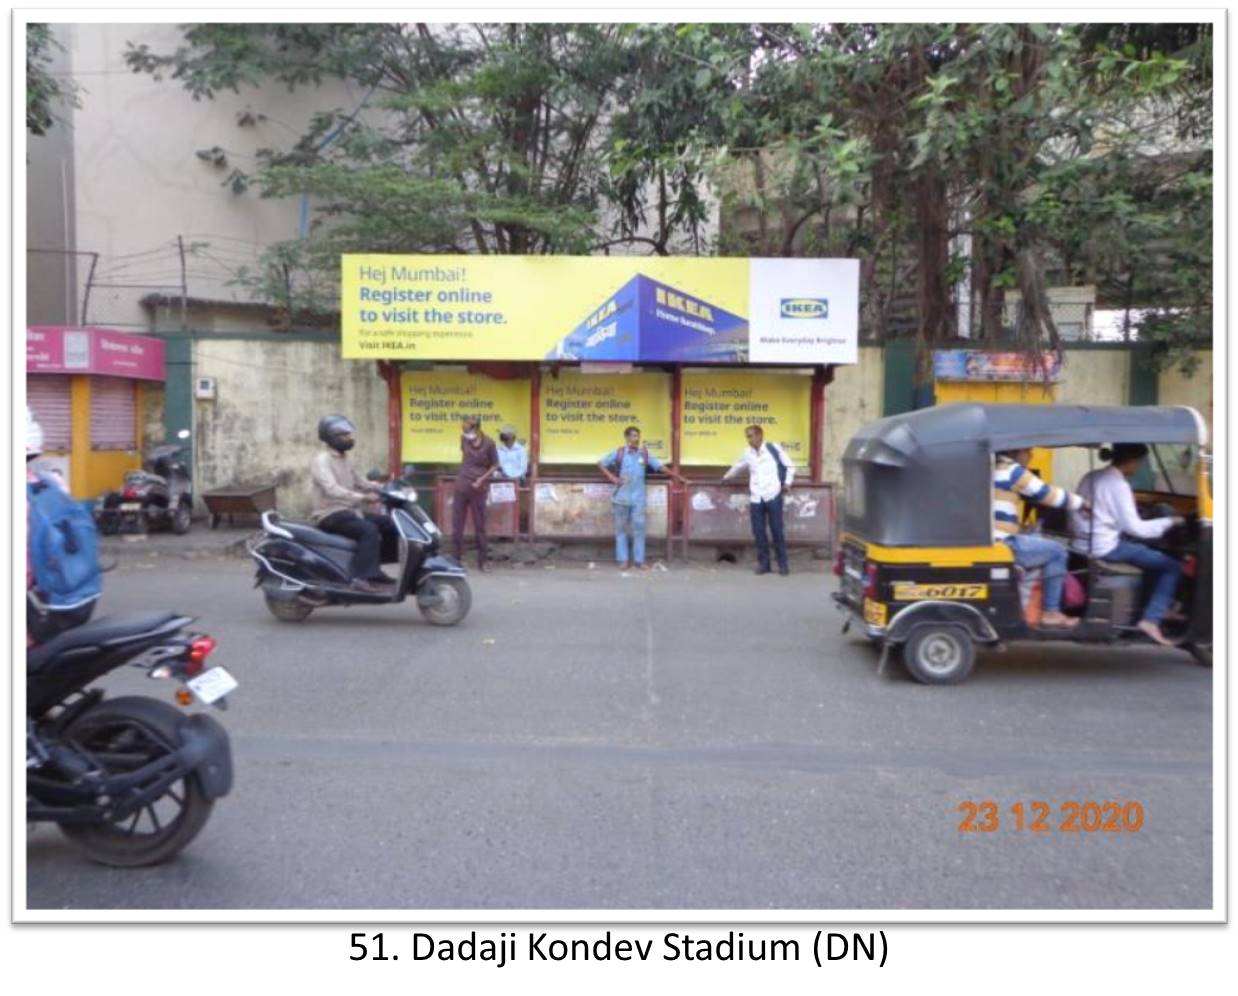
<point x="718" y="406"/>
<point x="653" y="309"/>
<point x="433" y="403"/>
<point x="584" y="415"/>
<point x="979" y="365"/>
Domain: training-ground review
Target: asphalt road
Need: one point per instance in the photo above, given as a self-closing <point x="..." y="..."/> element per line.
<point x="699" y="738"/>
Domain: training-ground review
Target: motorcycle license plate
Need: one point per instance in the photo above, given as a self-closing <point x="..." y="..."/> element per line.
<point x="212" y="685"/>
<point x="131" y="506"/>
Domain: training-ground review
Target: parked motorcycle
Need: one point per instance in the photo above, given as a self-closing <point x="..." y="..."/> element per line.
<point x="301" y="568"/>
<point x="159" y="496"/>
<point x="129" y="780"/>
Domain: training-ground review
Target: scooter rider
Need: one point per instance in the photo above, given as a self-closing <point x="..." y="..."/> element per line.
<point x="340" y="495"/>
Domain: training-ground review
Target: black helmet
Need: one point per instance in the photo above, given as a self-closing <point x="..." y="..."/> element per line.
<point x="331" y="428"/>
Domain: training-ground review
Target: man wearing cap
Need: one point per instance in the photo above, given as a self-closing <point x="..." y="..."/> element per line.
<point x="513" y="458"/>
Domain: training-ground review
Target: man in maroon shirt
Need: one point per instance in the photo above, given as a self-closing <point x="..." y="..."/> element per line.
<point x="479" y="462"/>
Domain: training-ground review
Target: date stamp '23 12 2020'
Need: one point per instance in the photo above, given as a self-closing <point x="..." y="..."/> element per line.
<point x="1037" y="816"/>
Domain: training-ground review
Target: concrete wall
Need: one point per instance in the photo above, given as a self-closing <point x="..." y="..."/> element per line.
<point x="1091" y="377"/>
<point x="52" y="297"/>
<point x="263" y="425"/>
<point x="1176" y="388"/>
<point x="854" y="399"/>
<point x="139" y="183"/>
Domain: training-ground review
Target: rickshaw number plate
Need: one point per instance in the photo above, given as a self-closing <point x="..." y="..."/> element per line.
<point x="909" y="591"/>
<point x="874" y="612"/>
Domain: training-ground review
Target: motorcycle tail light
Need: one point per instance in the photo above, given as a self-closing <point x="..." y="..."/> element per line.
<point x="838" y="564"/>
<point x="199" y="650"/>
<point x="1189" y="565"/>
<point x="130" y="493"/>
<point x="870" y="580"/>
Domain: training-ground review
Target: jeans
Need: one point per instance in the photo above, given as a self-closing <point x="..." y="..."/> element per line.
<point x="1035" y="551"/>
<point x="371" y="532"/>
<point x="1160" y="569"/>
<point x="466" y="501"/>
<point x="629" y="517"/>
<point x="762" y="512"/>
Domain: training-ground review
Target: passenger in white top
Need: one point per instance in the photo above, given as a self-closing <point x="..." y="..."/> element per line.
<point x="770" y="473"/>
<point x="1100" y="531"/>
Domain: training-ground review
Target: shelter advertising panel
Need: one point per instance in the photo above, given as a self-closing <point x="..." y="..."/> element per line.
<point x="433" y="402"/>
<point x="630" y="309"/>
<point x="718" y="406"/>
<point x="584" y="415"/>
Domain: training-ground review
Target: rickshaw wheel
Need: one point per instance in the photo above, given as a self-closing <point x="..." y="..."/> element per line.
<point x="939" y="654"/>
<point x="1202" y="655"/>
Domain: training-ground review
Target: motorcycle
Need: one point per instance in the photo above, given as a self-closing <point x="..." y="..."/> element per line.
<point x="131" y="781"/>
<point x="159" y="496"/>
<point x="301" y="568"/>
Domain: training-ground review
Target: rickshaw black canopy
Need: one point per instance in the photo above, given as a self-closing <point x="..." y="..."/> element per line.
<point x="924" y="478"/>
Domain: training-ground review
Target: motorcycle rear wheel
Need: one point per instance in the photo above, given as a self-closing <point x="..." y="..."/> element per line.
<point x="288" y="609"/>
<point x="123" y="734"/>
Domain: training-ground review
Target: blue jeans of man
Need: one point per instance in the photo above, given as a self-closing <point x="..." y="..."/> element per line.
<point x="629" y="517"/>
<point x="1158" y="568"/>
<point x="769" y="513"/>
<point x="1031" y="552"/>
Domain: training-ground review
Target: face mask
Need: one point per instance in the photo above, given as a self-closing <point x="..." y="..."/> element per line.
<point x="345" y="445"/>
<point x="470" y="436"/>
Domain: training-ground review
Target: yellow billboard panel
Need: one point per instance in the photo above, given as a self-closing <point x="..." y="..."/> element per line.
<point x="630" y="309"/>
<point x="584" y="415"/>
<point x="433" y="403"/>
<point x="718" y="406"/>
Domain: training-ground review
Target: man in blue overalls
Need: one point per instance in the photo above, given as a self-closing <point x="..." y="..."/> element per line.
<point x="625" y="468"/>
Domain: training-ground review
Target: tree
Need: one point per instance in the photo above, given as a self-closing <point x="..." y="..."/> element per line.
<point x="1076" y="151"/>
<point x="471" y="138"/>
<point x="44" y="92"/>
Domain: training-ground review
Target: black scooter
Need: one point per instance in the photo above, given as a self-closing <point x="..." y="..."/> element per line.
<point x="159" y="496"/>
<point x="301" y="568"/>
<point x="130" y="780"/>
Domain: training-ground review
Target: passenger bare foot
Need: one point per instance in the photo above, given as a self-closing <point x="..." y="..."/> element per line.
<point x="1153" y="632"/>
<point x="1058" y="620"/>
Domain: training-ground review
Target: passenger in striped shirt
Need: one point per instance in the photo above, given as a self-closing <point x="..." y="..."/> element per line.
<point x="1012" y="484"/>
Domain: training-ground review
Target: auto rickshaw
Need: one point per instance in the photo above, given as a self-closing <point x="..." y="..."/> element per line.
<point x="919" y="569"/>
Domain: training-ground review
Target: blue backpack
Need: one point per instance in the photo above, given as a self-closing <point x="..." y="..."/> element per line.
<point x="64" y="547"/>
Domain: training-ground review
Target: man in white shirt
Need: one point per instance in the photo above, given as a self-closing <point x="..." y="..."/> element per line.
<point x="513" y="458"/>
<point x="769" y="479"/>
<point x="1102" y="531"/>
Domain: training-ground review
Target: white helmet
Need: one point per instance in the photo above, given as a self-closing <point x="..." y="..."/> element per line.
<point x="34" y="435"/>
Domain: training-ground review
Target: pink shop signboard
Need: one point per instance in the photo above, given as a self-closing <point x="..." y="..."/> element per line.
<point x="87" y="350"/>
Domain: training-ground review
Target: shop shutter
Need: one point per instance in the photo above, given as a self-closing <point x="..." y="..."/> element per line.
<point x="113" y="414"/>
<point x="48" y="397"/>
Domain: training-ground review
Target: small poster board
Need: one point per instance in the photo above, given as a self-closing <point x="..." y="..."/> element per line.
<point x="582" y="510"/>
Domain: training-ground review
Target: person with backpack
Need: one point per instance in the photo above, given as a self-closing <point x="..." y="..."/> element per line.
<point x="769" y="480"/>
<point x="63" y="576"/>
<point x="626" y="468"/>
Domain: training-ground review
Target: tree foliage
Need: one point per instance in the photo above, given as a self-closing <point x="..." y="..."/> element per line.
<point x="1062" y="152"/>
<point x="44" y="91"/>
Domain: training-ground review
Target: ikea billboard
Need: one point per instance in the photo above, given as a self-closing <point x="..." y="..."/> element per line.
<point x="652" y="309"/>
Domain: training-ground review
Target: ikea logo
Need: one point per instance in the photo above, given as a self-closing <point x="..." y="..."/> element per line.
<point x="805" y="307"/>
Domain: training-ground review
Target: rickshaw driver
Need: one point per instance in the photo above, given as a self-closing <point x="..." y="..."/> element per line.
<point x="1012" y="483"/>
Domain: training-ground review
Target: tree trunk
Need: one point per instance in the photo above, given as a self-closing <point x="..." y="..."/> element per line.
<point x="933" y="291"/>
